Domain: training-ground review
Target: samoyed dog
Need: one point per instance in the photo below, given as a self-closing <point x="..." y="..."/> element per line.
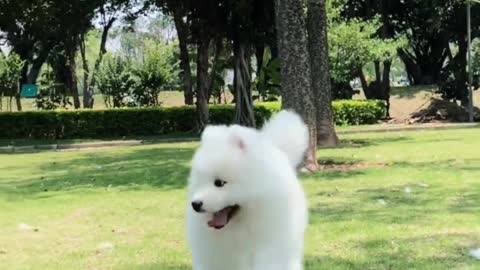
<point x="247" y="208"/>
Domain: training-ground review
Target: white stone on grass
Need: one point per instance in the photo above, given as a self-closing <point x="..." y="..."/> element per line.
<point x="24" y="227"/>
<point x="408" y="190"/>
<point x="475" y="253"/>
<point x="382" y="201"/>
<point x="105" y="246"/>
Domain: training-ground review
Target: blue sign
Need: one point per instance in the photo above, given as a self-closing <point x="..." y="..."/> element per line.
<point x="29" y="91"/>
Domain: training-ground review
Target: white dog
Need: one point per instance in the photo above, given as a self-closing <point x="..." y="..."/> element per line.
<point x="247" y="209"/>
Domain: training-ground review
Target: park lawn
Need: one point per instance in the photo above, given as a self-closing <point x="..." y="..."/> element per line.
<point x="385" y="201"/>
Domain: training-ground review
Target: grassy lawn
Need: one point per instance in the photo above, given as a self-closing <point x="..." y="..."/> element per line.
<point x="384" y="201"/>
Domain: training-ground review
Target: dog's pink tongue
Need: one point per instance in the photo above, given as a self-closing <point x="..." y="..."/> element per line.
<point x="219" y="219"/>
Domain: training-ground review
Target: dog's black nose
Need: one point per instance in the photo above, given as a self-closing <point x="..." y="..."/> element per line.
<point x="197" y="206"/>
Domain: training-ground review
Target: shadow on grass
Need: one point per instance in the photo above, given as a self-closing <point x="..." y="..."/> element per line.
<point x="164" y="168"/>
<point x="401" y="253"/>
<point x="389" y="205"/>
<point x="342" y="213"/>
<point x="391" y="260"/>
<point x="469" y="164"/>
<point x="154" y="266"/>
<point x="359" y="143"/>
<point x="468" y="202"/>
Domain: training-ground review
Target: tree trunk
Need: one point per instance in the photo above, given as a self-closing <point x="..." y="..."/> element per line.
<point x="215" y="65"/>
<point x="380" y="88"/>
<point x="243" y="86"/>
<point x="320" y="72"/>
<point x="295" y="63"/>
<point x="385" y="85"/>
<point x="363" y="80"/>
<point x="71" y="82"/>
<point x="102" y="51"/>
<point x="378" y="72"/>
<point x="87" y="90"/>
<point x="462" y="72"/>
<point x="411" y="67"/>
<point x="259" y="51"/>
<point x="18" y="100"/>
<point x="202" y="82"/>
<point x="37" y="64"/>
<point x="182" y="32"/>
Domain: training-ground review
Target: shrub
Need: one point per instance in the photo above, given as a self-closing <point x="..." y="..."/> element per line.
<point x="154" y="121"/>
<point x="352" y="112"/>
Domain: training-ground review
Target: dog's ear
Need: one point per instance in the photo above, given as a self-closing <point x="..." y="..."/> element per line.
<point x="238" y="143"/>
<point x="240" y="137"/>
<point x="213" y="133"/>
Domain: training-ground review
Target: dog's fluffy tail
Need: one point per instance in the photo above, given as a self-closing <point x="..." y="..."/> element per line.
<point x="289" y="133"/>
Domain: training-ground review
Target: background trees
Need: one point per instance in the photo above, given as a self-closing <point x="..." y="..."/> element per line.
<point x="130" y="50"/>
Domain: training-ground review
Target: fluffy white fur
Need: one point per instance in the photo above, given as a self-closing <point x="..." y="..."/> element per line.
<point x="267" y="232"/>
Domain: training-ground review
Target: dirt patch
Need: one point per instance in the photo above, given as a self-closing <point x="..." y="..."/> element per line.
<point x="348" y="166"/>
<point x="439" y="110"/>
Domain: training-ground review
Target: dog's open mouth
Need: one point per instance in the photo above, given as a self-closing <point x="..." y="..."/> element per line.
<point x="222" y="217"/>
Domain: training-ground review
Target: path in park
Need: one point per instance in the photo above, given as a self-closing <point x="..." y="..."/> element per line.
<point x="385" y="128"/>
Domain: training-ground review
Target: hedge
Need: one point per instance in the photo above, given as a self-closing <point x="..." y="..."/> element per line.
<point x="154" y="121"/>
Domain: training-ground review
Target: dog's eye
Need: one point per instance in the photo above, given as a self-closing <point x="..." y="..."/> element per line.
<point x="219" y="183"/>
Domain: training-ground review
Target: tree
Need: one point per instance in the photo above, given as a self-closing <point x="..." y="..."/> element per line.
<point x="180" y="12"/>
<point x="115" y="80"/>
<point x="380" y="10"/>
<point x="240" y="32"/>
<point x="297" y="92"/>
<point x="10" y="72"/>
<point x="109" y="11"/>
<point x="320" y="72"/>
<point x="28" y="27"/>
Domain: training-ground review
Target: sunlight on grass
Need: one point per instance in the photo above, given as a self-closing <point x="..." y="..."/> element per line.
<point x="384" y="201"/>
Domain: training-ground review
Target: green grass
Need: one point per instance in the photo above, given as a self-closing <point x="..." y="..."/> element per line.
<point x="37" y="142"/>
<point x="135" y="198"/>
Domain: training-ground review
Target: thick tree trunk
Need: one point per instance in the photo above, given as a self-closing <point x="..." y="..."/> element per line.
<point x="243" y="86"/>
<point x="378" y="72"/>
<point x="202" y="83"/>
<point x="424" y="61"/>
<point x="412" y="68"/>
<point x="182" y="32"/>
<point x="71" y="82"/>
<point x="320" y="72"/>
<point x="297" y="91"/>
<point x="37" y="64"/>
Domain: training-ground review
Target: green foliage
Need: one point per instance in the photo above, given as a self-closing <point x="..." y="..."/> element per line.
<point x="351" y="112"/>
<point x="137" y="82"/>
<point x="346" y="112"/>
<point x="115" y="80"/>
<point x="268" y="81"/>
<point x="155" y="121"/>
<point x="10" y="73"/>
<point x="52" y="95"/>
<point x="352" y="45"/>
<point x="110" y="123"/>
<point x="164" y="58"/>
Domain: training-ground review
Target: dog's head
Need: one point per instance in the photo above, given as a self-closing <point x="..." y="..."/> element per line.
<point x="235" y="166"/>
<point x="219" y="185"/>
